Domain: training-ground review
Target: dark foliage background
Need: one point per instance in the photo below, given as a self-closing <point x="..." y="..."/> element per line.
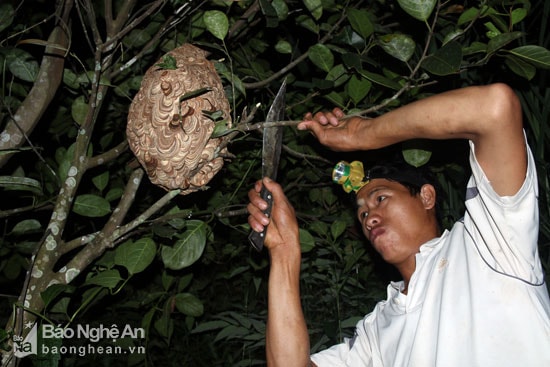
<point x="180" y="266"/>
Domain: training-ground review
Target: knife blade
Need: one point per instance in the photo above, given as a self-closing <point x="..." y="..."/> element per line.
<point x="271" y="152"/>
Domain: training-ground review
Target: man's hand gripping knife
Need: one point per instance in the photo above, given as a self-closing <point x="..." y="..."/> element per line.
<point x="287" y="340"/>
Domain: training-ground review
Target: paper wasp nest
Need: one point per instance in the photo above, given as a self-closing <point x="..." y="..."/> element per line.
<point x="170" y="135"/>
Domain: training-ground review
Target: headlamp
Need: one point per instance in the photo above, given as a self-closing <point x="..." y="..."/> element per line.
<point x="350" y="175"/>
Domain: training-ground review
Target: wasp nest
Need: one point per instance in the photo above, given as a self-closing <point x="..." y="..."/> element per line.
<point x="169" y="129"/>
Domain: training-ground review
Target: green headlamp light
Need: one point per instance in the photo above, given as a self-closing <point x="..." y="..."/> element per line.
<point x="350" y="175"/>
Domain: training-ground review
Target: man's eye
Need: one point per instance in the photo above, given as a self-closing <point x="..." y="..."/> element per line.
<point x="380" y="198"/>
<point x="363" y="215"/>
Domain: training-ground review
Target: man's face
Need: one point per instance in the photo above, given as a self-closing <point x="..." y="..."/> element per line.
<point x="395" y="222"/>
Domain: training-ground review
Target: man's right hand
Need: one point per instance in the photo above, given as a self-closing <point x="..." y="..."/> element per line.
<point x="282" y="230"/>
<point x="333" y="130"/>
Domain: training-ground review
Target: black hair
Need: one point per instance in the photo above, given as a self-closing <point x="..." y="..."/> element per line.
<point x="413" y="178"/>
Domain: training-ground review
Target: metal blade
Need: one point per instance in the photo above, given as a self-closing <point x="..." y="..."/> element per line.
<point x="273" y="136"/>
<point x="271" y="152"/>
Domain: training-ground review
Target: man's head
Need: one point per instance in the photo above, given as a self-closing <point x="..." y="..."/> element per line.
<point x="411" y="177"/>
<point x="353" y="178"/>
<point x="396" y="205"/>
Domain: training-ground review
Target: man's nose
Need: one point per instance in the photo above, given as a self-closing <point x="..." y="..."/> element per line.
<point x="372" y="220"/>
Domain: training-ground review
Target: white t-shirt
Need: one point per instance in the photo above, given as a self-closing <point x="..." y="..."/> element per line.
<point x="476" y="298"/>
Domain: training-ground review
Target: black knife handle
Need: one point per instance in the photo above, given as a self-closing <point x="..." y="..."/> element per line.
<point x="257" y="238"/>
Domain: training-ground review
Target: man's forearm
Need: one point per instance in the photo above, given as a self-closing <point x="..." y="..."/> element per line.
<point x="490" y="116"/>
<point x="287" y="340"/>
<point x="462" y="113"/>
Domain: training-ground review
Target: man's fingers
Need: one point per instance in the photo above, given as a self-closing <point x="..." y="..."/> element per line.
<point x="256" y="218"/>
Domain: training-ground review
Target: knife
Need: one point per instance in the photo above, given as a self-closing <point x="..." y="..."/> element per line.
<point x="271" y="152"/>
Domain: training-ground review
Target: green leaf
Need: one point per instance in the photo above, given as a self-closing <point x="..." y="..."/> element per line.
<point x="380" y="79"/>
<point x="337" y="76"/>
<point x="51" y="293"/>
<point x="70" y="79"/>
<point x="492" y="30"/>
<point x="419" y="9"/>
<point x="165" y="326"/>
<point x="283" y="47"/>
<point x="137" y="38"/>
<point x="452" y="35"/>
<point x="209" y="326"/>
<point x="352" y="61"/>
<point x="136" y="256"/>
<point x="468" y="16"/>
<point x="114" y="194"/>
<point x="20" y="184"/>
<point x="231" y="332"/>
<point x="518" y="15"/>
<point x="307" y="23"/>
<point x="360" y="22"/>
<point x="502" y="40"/>
<point x="216" y="23"/>
<point x="167" y="280"/>
<point x="220" y="129"/>
<point x="108" y="279"/>
<point x="93" y="206"/>
<point x="6" y="16"/>
<point x="444" y="61"/>
<point x="22" y="65"/>
<point x="321" y="56"/>
<point x="79" y="110"/>
<point x="337" y="228"/>
<point x="307" y="242"/>
<point x="188" y="249"/>
<point x="336" y="99"/>
<point x="535" y="55"/>
<point x="416" y="152"/>
<point x="520" y="67"/>
<point x="188" y="304"/>
<point x="168" y="63"/>
<point x="475" y="48"/>
<point x="473" y="14"/>
<point x="184" y="282"/>
<point x="399" y="46"/>
<point x="271" y="16"/>
<point x="358" y="88"/>
<point x="502" y="25"/>
<point x="26" y="226"/>
<point x="315" y="7"/>
<point x="281" y="8"/>
<point x="101" y="181"/>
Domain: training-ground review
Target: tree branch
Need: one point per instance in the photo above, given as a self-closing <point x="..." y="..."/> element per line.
<point x="37" y="101"/>
<point x="116" y="218"/>
<point x="108" y="156"/>
<point x="243" y="20"/>
<point x="117" y="34"/>
<point x="92" y="251"/>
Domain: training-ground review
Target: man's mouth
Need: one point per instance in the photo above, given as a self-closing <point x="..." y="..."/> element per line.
<point x="375" y="233"/>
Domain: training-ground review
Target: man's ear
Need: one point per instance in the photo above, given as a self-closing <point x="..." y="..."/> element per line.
<point x="428" y="196"/>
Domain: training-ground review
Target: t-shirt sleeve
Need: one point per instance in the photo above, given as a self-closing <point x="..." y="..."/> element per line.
<point x="353" y="351"/>
<point x="505" y="228"/>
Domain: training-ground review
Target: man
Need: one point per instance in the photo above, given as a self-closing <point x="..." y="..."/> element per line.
<point x="471" y="296"/>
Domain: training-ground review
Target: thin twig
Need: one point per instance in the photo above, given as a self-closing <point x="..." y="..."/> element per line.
<point x="304" y="156"/>
<point x="108" y="156"/>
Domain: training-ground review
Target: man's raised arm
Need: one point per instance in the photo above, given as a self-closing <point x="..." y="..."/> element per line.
<point x="490" y="116"/>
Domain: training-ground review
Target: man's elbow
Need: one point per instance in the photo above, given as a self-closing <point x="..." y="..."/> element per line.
<point x="505" y="111"/>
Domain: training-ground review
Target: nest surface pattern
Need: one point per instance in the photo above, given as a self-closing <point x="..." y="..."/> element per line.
<point x="171" y="136"/>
